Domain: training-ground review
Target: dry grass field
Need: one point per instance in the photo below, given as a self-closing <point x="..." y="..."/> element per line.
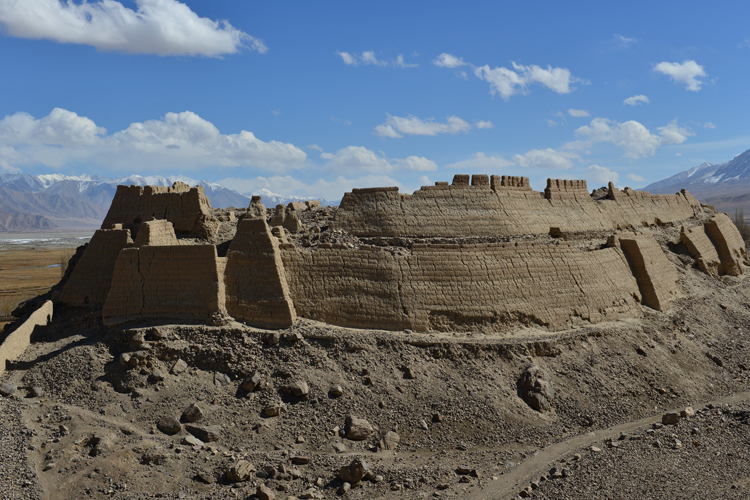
<point x="26" y="272"/>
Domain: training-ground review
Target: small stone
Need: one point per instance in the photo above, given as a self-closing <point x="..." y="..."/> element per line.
<point x="409" y="373"/>
<point x="377" y="479"/>
<point x="49" y="466"/>
<point x="670" y="418"/>
<point x="273" y="411"/>
<point x="263" y="492"/>
<point x="339" y="447"/>
<point x="169" y="425"/>
<point x="300" y="460"/>
<point x="125" y="359"/>
<point x="395" y="487"/>
<point x="336" y="391"/>
<point x="299" y="388"/>
<point x="193" y="413"/>
<point x="463" y="470"/>
<point x="293" y="337"/>
<point x="358" y="429"/>
<point x="443" y="486"/>
<point x="595" y="449"/>
<point x="250" y="383"/>
<point x="390" y="440"/>
<point x="156" y="376"/>
<point x="300" y="439"/>
<point x="437" y="418"/>
<point x="221" y="379"/>
<point x="206" y="434"/>
<point x="205" y="477"/>
<point x="191" y="441"/>
<point x="240" y="472"/>
<point x="7" y="389"/>
<point x="344" y="489"/>
<point x="179" y="367"/>
<point x="464" y="479"/>
<point x="555" y="472"/>
<point x="687" y="412"/>
<point x="64" y="431"/>
<point x="354" y="472"/>
<point x="423" y="425"/>
<point x="36" y="392"/>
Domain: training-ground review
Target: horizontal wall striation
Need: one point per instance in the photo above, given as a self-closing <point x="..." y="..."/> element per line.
<point x="180" y="282"/>
<point x="91" y="278"/>
<point x="188" y="209"/>
<point x="448" y="287"/>
<point x="463" y="209"/>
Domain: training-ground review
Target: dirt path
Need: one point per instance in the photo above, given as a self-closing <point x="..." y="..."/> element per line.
<point x="510" y="484"/>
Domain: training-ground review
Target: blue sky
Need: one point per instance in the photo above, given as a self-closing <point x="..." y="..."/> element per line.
<point x="314" y="98"/>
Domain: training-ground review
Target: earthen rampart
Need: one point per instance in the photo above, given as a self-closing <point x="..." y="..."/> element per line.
<point x="256" y="283"/>
<point x="462" y="209"/>
<point x="155" y="282"/>
<point x="90" y="281"/>
<point x="455" y="286"/>
<point x="188" y="209"/>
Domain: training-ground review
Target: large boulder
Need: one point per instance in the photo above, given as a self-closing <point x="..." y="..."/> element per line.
<point x="535" y="388"/>
<point x="358" y="429"/>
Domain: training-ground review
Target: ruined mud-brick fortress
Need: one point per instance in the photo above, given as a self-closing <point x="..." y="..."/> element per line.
<point x="483" y="252"/>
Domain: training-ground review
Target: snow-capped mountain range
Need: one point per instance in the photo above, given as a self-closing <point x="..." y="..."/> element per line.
<point x="83" y="200"/>
<point x="709" y="180"/>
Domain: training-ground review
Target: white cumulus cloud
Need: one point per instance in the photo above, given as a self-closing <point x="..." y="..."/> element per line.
<point x="508" y="82"/>
<point x="396" y="126"/>
<point x="160" y="27"/>
<point x="445" y="60"/>
<point x="368" y="58"/>
<point x="578" y="113"/>
<point x="634" y="138"/>
<point x="686" y="72"/>
<point x="545" y="158"/>
<point x="636" y="100"/>
<point x="362" y="159"/>
<point x="484" y="124"/>
<point x="601" y="175"/>
<point x="182" y="140"/>
<point x="286" y="185"/>
<point x="482" y="162"/>
<point x="635" y="178"/>
<point x="709" y="125"/>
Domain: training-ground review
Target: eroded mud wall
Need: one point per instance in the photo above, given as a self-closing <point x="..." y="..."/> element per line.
<point x="493" y="209"/>
<point x="90" y="281"/>
<point x="450" y="286"/>
<point x="181" y="282"/>
<point x="256" y="283"/>
<point x="188" y="209"/>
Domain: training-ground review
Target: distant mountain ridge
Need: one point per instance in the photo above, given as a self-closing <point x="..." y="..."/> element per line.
<point x="83" y="201"/>
<point x="723" y="185"/>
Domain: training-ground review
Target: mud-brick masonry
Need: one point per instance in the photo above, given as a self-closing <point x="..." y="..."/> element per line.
<point x="267" y="281"/>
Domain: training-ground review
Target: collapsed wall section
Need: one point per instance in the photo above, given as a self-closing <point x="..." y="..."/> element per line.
<point x="188" y="209"/>
<point x="181" y="282"/>
<point x="448" y="287"/>
<point x="728" y="242"/>
<point x="256" y="283"/>
<point x="90" y="281"/>
<point x="656" y="276"/>
<point x="508" y="207"/>
<point x="717" y="246"/>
